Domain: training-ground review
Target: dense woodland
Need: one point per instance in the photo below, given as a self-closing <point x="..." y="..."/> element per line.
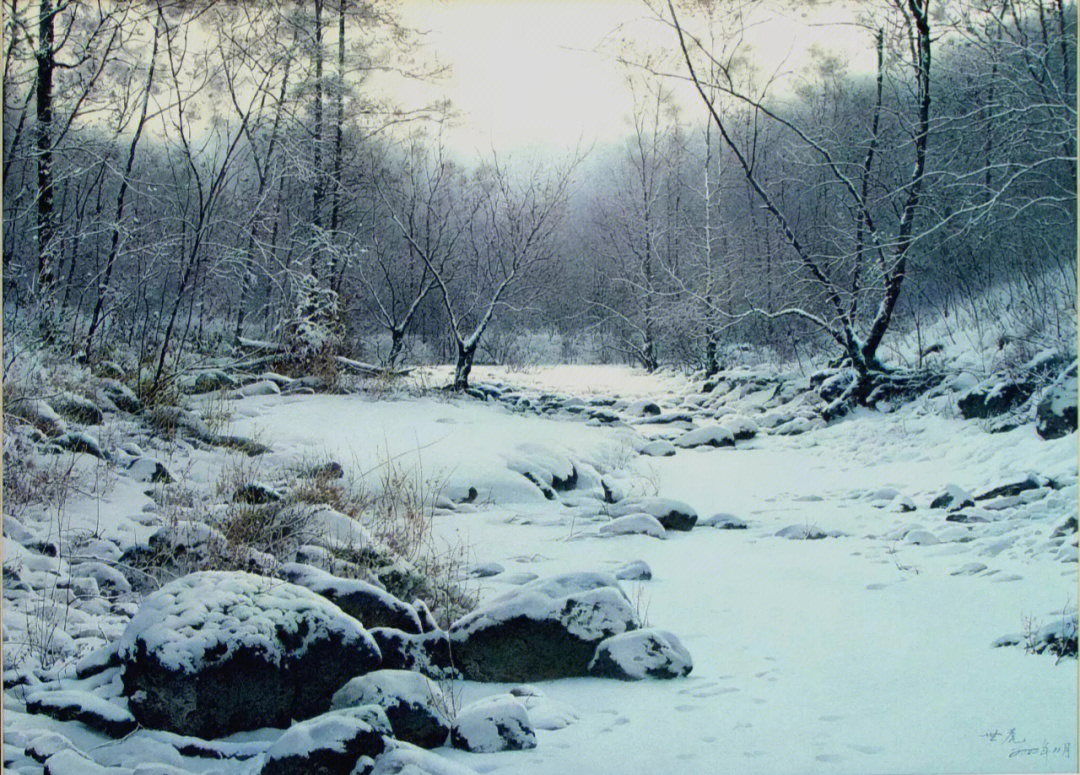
<point x="183" y="177"/>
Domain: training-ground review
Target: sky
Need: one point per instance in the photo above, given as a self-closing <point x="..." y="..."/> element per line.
<point x="542" y="74"/>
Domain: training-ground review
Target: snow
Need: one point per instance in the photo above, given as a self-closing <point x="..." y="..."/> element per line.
<point x="871" y="653"/>
<point x="221" y="612"/>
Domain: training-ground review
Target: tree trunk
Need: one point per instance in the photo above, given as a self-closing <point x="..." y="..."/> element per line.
<point x="317" y="189"/>
<point x="465" y="355"/>
<point x="46" y="63"/>
<point x="335" y="206"/>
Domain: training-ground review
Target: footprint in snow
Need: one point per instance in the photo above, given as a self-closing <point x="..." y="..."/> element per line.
<point x="829" y="757"/>
<point x="876" y="586"/>
<point x="686" y="708"/>
<point x="621" y="720"/>
<point x="867" y="749"/>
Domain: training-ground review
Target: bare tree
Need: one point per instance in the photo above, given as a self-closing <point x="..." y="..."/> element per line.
<point x="888" y="242"/>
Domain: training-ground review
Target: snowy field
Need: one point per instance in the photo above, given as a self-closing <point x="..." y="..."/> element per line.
<point x="870" y="650"/>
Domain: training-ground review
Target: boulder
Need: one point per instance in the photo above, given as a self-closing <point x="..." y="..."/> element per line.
<point x="77" y="409"/>
<point x="263" y="387"/>
<point x="256" y="494"/>
<point x="146" y="469"/>
<point x="643" y="408"/>
<point x="994" y="397"/>
<point x="37" y="413"/>
<point x="414" y="705"/>
<point x="1056" y="413"/>
<point x="546" y="629"/>
<point x="493" y="724"/>
<point x="211" y="379"/>
<point x="953" y="498"/>
<point x="634" y="524"/>
<point x="78" y="705"/>
<point x="635" y="570"/>
<point x="374" y="607"/>
<point x="659" y="448"/>
<point x="672" y="514"/>
<point x="329" y="744"/>
<point x="78" y="441"/>
<point x="646" y="653"/>
<point x="428" y="653"/>
<point x="722" y="521"/>
<point x="711" y="436"/>
<point x="121" y="396"/>
<point x="219" y="652"/>
<point x="742" y="428"/>
<point x="405" y="759"/>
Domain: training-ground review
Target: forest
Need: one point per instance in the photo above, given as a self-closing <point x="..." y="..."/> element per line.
<point x="181" y="176"/>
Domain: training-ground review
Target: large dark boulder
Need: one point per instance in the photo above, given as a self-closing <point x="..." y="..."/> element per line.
<point x="545" y="630"/>
<point x="219" y="652"/>
<point x="994" y="397"/>
<point x="1056" y="414"/>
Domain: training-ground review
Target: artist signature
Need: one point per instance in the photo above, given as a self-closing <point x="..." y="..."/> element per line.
<point x="1020" y="746"/>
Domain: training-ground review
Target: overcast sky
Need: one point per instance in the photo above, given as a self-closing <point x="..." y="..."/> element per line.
<point x="541" y="74"/>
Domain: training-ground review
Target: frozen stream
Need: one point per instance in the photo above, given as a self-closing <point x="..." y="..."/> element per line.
<point x="853" y="654"/>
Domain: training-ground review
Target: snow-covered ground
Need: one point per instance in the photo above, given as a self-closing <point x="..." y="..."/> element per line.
<point x="867" y="652"/>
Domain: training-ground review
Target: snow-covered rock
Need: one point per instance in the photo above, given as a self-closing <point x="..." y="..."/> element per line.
<point x="80" y="441"/>
<point x="329" y="744"/>
<point x="723" y="521"/>
<point x="742" y="428"/>
<point x="493" y="724"/>
<point x="37" y="413"/>
<point x="211" y="379"/>
<point x="953" y="497"/>
<point x="659" y="448"/>
<point x="218" y="652"/>
<point x="121" y="396"/>
<point x="634" y="524"/>
<point x="428" y="653"/>
<point x="78" y="705"/>
<point x="76" y="408"/>
<point x="806" y="532"/>
<point x="404" y="759"/>
<point x="993" y="397"/>
<point x="1056" y="413"/>
<point x="546" y="629"/>
<point x="672" y="514"/>
<point x="146" y="469"/>
<point x="643" y="408"/>
<point x="372" y="606"/>
<point x="414" y="704"/>
<point x="263" y="387"/>
<point x="635" y="570"/>
<point x="711" y="436"/>
<point x="646" y="653"/>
